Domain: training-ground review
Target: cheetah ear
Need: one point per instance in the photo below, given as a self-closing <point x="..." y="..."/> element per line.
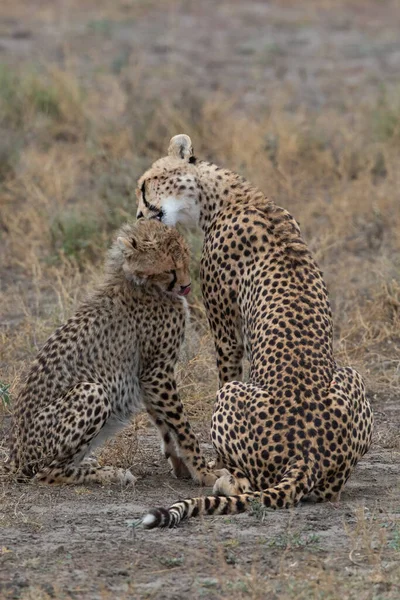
<point x="126" y="245"/>
<point x="180" y="146"/>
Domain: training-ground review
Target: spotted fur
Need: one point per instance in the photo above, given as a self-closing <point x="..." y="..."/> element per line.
<point x="114" y="356"/>
<point x="300" y="424"/>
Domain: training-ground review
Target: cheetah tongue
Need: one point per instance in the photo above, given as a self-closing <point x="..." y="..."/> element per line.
<point x="185" y="292"/>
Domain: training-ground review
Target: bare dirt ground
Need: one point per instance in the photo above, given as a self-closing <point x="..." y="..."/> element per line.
<point x="77" y="543"/>
<point x="318" y="56"/>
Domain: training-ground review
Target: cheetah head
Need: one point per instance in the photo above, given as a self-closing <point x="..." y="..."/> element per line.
<point x="154" y="254"/>
<point x="168" y="191"/>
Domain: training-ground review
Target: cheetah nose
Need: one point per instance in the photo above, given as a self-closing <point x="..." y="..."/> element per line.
<point x="185" y="290"/>
<point x="139" y="215"/>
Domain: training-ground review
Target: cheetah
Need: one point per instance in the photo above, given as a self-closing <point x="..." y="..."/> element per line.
<point x="297" y="428"/>
<point x="116" y="355"/>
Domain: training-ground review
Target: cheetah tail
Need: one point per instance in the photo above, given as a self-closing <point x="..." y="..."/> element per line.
<point x="296" y="483"/>
<point x="193" y="507"/>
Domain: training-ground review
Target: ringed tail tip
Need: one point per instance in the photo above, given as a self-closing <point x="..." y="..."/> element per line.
<point x="158" y="517"/>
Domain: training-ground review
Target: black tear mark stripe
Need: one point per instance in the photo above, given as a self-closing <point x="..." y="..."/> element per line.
<point x="143" y="190"/>
<point x="147" y="204"/>
<point x="173" y="282"/>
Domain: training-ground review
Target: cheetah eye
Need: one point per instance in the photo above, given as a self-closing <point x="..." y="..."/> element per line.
<point x="173" y="282"/>
<point x="159" y="216"/>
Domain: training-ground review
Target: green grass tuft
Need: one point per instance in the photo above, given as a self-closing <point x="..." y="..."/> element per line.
<point x="5" y="394"/>
<point x="76" y="235"/>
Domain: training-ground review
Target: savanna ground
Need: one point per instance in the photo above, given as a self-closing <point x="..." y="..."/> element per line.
<point x="304" y="100"/>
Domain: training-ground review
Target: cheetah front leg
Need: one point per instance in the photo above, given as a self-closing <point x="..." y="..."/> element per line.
<point x="229" y="363"/>
<point x="168" y="448"/>
<point x="226" y="329"/>
<point x="166" y="410"/>
<point x="230" y="352"/>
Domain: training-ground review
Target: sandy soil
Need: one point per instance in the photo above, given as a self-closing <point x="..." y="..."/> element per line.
<point x="78" y="543"/>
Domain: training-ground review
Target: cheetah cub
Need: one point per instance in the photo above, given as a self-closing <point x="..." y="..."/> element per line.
<point x="116" y="355"/>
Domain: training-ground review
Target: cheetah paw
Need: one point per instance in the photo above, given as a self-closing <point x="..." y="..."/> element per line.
<point x="215" y="464"/>
<point x="221" y="472"/>
<point x="225" y="485"/>
<point x="126" y="478"/>
<point x="208" y="479"/>
<point x="179" y="469"/>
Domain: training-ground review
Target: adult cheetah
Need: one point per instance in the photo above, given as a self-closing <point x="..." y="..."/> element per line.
<point x="114" y="356"/>
<point x="301" y="423"/>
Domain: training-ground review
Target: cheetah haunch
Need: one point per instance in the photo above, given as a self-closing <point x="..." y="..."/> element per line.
<point x="114" y="356"/>
<point x="301" y="423"/>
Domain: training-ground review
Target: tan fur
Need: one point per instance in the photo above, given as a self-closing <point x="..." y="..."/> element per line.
<point x="114" y="356"/>
<point x="300" y="424"/>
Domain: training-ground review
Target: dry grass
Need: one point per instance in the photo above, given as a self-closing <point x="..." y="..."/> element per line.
<point x="69" y="181"/>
